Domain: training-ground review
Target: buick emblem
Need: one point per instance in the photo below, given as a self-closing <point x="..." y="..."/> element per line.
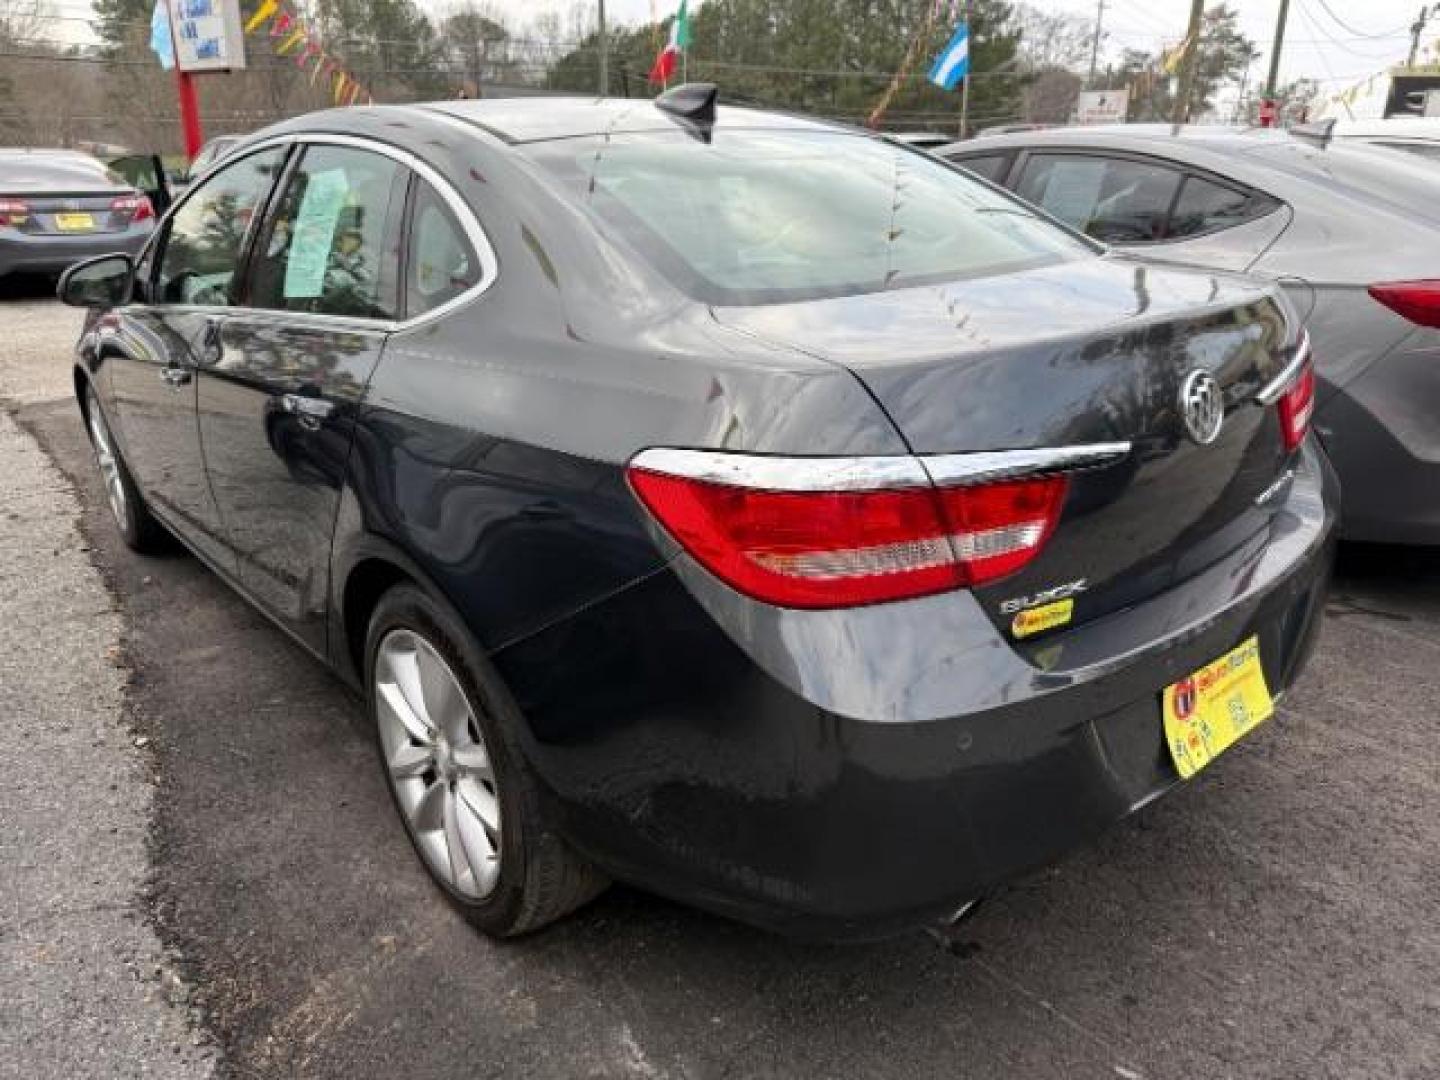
<point x="1202" y="405"/>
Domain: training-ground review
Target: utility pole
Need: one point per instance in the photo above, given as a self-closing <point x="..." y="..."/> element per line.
<point x="1095" y="44"/>
<point x="1415" y="32"/>
<point x="1191" y="61"/>
<point x="604" y="54"/>
<point x="1276" y="50"/>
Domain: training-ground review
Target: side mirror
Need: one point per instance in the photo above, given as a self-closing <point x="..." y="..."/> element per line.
<point x="102" y="282"/>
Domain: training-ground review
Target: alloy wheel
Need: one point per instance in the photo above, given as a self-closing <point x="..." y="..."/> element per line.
<point x="107" y="462"/>
<point x="437" y="762"/>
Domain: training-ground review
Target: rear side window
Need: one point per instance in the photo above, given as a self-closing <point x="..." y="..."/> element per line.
<point x="1116" y="200"/>
<point x="331" y="244"/>
<point x="992" y="167"/>
<point x="1206" y="207"/>
<point x="755" y="217"/>
<point x="441" y="263"/>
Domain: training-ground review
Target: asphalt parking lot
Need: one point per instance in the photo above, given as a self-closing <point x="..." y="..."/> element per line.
<point x="1280" y="917"/>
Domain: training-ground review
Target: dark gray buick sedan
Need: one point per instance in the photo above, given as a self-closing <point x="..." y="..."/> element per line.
<point x="744" y="507"/>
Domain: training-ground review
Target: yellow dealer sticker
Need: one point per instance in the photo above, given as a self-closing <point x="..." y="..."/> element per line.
<point x="1046" y="617"/>
<point x="1214" y="708"/>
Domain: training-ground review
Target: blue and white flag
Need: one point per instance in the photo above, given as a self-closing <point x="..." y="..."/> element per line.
<point x="954" y="60"/>
<point x="160" y="34"/>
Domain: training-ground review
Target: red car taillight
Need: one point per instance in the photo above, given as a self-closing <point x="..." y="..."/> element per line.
<point x="1418" y="301"/>
<point x="1297" y="407"/>
<point x="13" y="212"/>
<point x="137" y="206"/>
<point x="845" y="548"/>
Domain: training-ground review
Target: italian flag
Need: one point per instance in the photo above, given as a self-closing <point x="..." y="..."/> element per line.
<point x="669" y="58"/>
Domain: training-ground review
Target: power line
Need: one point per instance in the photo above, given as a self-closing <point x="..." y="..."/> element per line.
<point x="1351" y="30"/>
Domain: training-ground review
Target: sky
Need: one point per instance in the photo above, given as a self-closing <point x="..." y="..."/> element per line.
<point x="1339" y="49"/>
<point x="1337" y="42"/>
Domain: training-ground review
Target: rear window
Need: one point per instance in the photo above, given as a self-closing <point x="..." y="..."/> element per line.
<point x="763" y="217"/>
<point x="1429" y="150"/>
<point x="1372" y="174"/>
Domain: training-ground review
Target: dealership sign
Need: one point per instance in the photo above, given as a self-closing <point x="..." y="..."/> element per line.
<point x="1102" y="107"/>
<point x="208" y="34"/>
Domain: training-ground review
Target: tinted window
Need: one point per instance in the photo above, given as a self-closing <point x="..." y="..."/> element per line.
<point x="763" y="216"/>
<point x="202" y="245"/>
<point x="440" y="264"/>
<point x="992" y="167"/>
<point x="1205" y="207"/>
<point x="1112" y="199"/>
<point x="329" y="247"/>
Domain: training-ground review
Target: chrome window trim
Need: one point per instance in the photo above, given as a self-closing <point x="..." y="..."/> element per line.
<point x="474" y="231"/>
<point x="878" y="473"/>
<point x="1272" y="391"/>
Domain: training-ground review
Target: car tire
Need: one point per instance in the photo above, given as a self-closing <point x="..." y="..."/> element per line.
<point x="138" y="527"/>
<point x="457" y="775"/>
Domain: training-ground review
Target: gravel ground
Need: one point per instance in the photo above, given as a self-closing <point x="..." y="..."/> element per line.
<point x="1278" y="918"/>
<point x="86" y="989"/>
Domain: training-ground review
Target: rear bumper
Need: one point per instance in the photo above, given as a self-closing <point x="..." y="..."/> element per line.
<point x="50" y="254"/>
<point x="856" y="774"/>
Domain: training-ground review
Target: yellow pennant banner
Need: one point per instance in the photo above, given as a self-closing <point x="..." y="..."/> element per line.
<point x="262" y="14"/>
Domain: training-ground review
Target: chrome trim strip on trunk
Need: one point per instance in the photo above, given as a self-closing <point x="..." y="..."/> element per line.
<point x="873" y="473"/>
<point x="1272" y="391"/>
<point x="951" y="469"/>
<point x="785" y="473"/>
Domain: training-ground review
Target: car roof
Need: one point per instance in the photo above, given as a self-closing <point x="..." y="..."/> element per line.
<point x="532" y="119"/>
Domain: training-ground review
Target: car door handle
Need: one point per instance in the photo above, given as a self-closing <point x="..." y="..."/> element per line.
<point x="175" y="377"/>
<point x="312" y="411"/>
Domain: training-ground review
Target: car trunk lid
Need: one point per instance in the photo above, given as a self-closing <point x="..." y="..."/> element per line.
<point x="1078" y="354"/>
<point x="71" y="213"/>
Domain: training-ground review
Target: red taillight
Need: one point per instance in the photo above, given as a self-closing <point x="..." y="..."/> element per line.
<point x="1418" y="301"/>
<point x="844" y="548"/>
<point x="13" y="212"/>
<point x="1297" y="406"/>
<point x="137" y="206"/>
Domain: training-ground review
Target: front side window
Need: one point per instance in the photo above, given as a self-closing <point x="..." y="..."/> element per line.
<point x="755" y="216"/>
<point x="441" y="263"/>
<point x="331" y="244"/>
<point x="1116" y="200"/>
<point x="202" y="245"/>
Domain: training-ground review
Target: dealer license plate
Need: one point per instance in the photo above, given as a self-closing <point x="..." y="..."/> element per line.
<point x="1215" y="708"/>
<point x="75" y="222"/>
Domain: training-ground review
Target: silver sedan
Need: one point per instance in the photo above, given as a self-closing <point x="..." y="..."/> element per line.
<point x="1351" y="233"/>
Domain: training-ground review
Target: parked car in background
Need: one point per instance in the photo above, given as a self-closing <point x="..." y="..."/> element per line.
<point x="690" y="509"/>
<point x="1350" y="233"/>
<point x="1414" y="135"/>
<point x="209" y="154"/>
<point x="58" y="207"/>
